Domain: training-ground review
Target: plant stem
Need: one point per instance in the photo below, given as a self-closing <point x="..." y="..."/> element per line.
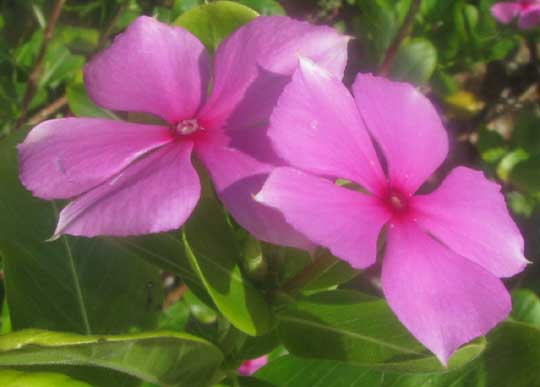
<point x="312" y="271"/>
<point x="403" y="32"/>
<point x="33" y="79"/>
<point x="48" y="110"/>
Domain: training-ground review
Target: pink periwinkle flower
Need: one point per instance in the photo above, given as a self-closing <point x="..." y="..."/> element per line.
<point x="527" y="13"/>
<point x="129" y="178"/>
<point x="445" y="251"/>
<point x="249" y="367"/>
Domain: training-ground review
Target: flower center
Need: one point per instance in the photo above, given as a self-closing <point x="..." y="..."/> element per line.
<point x="186" y="127"/>
<point x="396" y="201"/>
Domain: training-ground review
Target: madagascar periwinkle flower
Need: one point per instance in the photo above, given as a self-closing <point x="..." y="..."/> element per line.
<point x="249" y="367"/>
<point x="129" y="178"/>
<point x="526" y="12"/>
<point x="445" y="251"/>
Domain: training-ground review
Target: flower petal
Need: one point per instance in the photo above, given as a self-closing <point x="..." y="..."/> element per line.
<point x="252" y="66"/>
<point x="316" y="127"/>
<point x="530" y="18"/>
<point x="154" y="194"/>
<point x="237" y="178"/>
<point x="406" y="126"/>
<point x="345" y="221"/>
<point x="505" y="11"/>
<point x="442" y="298"/>
<point x="153" y="68"/>
<point x="63" y="158"/>
<point x="468" y="213"/>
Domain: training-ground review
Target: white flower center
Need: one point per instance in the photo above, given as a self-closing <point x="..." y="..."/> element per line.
<point x="186" y="127"/>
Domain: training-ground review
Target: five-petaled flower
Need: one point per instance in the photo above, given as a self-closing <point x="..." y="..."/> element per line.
<point x="445" y="251"/>
<point x="527" y="13"/>
<point x="249" y="367"/>
<point x="128" y="178"/>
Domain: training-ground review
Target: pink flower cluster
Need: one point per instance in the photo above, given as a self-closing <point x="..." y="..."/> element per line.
<point x="275" y="132"/>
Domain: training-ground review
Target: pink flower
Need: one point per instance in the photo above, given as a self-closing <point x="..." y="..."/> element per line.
<point x="128" y="178"/>
<point x="445" y="250"/>
<point x="249" y="367"/>
<point x="527" y="12"/>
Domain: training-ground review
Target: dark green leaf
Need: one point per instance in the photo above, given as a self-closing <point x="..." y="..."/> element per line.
<point x="290" y="371"/>
<point x="526" y="307"/>
<point x="62" y="285"/>
<point x="352" y="327"/>
<point x="81" y="105"/>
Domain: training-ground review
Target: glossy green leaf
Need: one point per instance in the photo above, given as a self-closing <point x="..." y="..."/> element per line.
<point x="415" y="61"/>
<point x="352" y="327"/>
<point x="214" y="255"/>
<point x="526" y="307"/>
<point x="165" y="358"/>
<point x="62" y="285"/>
<point x="14" y="378"/>
<point x="291" y="371"/>
<point x="213" y="22"/>
<point x="337" y="274"/>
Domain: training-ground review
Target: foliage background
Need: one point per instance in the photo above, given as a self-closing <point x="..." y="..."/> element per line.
<point x="124" y="305"/>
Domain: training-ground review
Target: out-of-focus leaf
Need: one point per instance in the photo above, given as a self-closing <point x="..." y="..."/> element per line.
<point x="171" y="359"/>
<point x="526" y="307"/>
<point x="521" y="204"/>
<point x="214" y="255"/>
<point x="175" y="317"/>
<point x="255" y="347"/>
<point x="513" y="355"/>
<point x="213" y="22"/>
<point x="507" y="168"/>
<point x="264" y="7"/>
<point x="463" y="104"/>
<point x="291" y="371"/>
<point x="491" y="145"/>
<point x="14" y="378"/>
<point x="80" y="104"/>
<point x="356" y="328"/>
<point x="61" y="285"/>
<point x="526" y="174"/>
<point x="415" y="61"/>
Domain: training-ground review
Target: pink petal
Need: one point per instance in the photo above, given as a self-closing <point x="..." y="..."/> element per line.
<point x="468" y="213"/>
<point x="345" y="221"/>
<point x="442" y="298"/>
<point x="406" y="126"/>
<point x="65" y="157"/>
<point x="252" y="66"/>
<point x="505" y="11"/>
<point x="237" y="178"/>
<point x="530" y="18"/>
<point x="249" y="367"/>
<point x="316" y="127"/>
<point x="153" y="68"/>
<point x="154" y="194"/>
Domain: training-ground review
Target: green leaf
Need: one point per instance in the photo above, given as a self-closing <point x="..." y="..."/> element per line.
<point x="356" y="328"/>
<point x="415" y="61"/>
<point x="337" y="274"/>
<point x="81" y="105"/>
<point x="264" y="7"/>
<point x="72" y="284"/>
<point x="14" y="378"/>
<point x="291" y="371"/>
<point x="214" y="255"/>
<point x="526" y="307"/>
<point x="513" y="355"/>
<point x="525" y="174"/>
<point x="213" y="22"/>
<point x="165" y="358"/>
